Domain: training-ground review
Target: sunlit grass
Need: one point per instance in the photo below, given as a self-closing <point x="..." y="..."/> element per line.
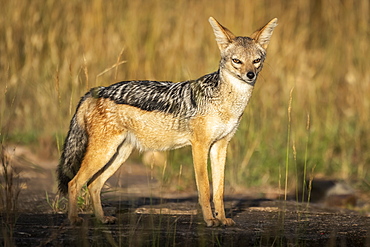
<point x="51" y="53"/>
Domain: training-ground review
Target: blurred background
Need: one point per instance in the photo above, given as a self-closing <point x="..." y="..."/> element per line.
<point x="308" y="117"/>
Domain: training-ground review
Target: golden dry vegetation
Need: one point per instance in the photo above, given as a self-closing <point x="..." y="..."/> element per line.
<point x="309" y="113"/>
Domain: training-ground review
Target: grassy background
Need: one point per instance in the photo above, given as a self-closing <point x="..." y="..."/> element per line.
<point x="311" y="105"/>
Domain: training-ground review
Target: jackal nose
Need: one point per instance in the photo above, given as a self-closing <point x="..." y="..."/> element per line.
<point x="250" y="75"/>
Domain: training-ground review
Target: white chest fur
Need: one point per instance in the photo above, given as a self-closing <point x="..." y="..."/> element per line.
<point x="227" y="113"/>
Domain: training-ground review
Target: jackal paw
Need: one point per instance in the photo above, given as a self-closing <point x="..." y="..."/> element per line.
<point x="212" y="222"/>
<point x="219" y="222"/>
<point x="108" y="220"/>
<point x="227" y="222"/>
<point x="76" y="221"/>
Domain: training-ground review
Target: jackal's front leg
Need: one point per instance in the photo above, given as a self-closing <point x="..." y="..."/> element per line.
<point x="218" y="158"/>
<point x="200" y="156"/>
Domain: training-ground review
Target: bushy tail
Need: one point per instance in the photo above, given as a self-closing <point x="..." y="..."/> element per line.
<point x="73" y="151"/>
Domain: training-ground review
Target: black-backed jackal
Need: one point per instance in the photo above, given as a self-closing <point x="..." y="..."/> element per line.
<point x="159" y="115"/>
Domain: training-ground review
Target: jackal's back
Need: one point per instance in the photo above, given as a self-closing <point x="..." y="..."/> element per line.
<point x="182" y="99"/>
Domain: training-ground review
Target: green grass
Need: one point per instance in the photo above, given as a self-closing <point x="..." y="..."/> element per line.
<point x="51" y="53"/>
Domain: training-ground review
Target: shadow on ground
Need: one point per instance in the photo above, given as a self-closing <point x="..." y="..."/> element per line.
<point x="175" y="222"/>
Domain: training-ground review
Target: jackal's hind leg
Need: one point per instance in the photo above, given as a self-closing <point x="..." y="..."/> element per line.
<point x="218" y="158"/>
<point x="123" y="152"/>
<point x="99" y="152"/>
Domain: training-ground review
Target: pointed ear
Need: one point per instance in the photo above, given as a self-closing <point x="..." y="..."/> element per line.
<point x="223" y="35"/>
<point x="263" y="35"/>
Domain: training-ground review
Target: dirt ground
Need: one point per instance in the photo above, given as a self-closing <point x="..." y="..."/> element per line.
<point x="260" y="222"/>
<point x="147" y="216"/>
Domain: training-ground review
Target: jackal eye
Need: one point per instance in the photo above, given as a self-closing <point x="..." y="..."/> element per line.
<point x="236" y="61"/>
<point x="257" y="60"/>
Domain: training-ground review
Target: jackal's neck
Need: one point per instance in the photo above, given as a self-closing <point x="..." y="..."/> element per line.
<point x="234" y="93"/>
<point x="206" y="87"/>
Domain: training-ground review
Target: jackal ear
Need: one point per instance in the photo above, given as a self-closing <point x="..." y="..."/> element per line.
<point x="263" y="35"/>
<point x="223" y="35"/>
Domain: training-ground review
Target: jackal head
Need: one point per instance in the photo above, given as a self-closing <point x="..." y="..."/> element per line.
<point x="242" y="57"/>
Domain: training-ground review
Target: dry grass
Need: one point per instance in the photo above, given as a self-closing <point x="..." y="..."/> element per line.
<point x="52" y="52"/>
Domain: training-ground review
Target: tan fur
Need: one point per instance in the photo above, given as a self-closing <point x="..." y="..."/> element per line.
<point x="114" y="130"/>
